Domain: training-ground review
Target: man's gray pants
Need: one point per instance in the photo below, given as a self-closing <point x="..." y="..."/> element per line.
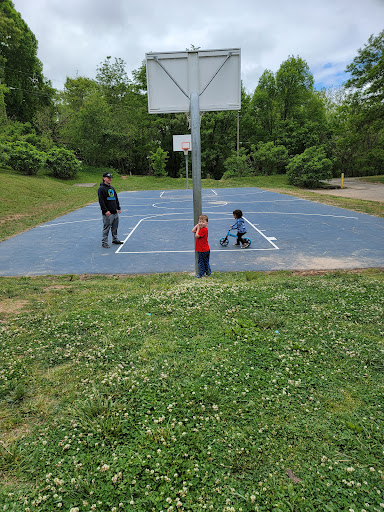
<point x="110" y="223"/>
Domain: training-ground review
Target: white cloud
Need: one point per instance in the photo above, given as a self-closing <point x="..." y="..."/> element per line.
<point x="75" y="36"/>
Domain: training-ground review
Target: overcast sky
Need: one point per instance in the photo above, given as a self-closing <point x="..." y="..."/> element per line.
<point x="75" y="36"/>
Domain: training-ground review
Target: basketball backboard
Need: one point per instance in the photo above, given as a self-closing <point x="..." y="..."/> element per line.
<point x="213" y="74"/>
<point x="182" y="142"/>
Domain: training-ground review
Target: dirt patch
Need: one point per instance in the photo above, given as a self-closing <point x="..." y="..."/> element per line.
<point x="8" y="437"/>
<point x="324" y="263"/>
<point x="12" y="307"/>
<point x="56" y="287"/>
<point x="331" y="271"/>
<point x="11" y="218"/>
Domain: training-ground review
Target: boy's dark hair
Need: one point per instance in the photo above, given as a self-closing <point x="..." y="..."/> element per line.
<point x="238" y="214"/>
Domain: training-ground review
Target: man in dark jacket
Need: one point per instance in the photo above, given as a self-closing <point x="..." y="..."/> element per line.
<point x="110" y="208"/>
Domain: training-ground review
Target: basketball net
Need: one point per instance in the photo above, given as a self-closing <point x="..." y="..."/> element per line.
<point x="185" y="146"/>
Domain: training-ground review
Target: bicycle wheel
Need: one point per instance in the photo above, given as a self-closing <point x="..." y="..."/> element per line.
<point x="247" y="242"/>
<point x="224" y="241"/>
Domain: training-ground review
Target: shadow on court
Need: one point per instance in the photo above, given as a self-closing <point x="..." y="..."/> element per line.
<point x="287" y="233"/>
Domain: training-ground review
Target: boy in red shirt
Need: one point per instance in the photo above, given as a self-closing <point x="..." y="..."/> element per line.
<point x="202" y="246"/>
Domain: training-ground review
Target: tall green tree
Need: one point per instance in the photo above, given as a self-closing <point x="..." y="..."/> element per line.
<point x="29" y="91"/>
<point x="367" y="72"/>
<point x="294" y="84"/>
<point x="360" y="131"/>
<point x="287" y="110"/>
<point x="265" y="104"/>
<point x="113" y="79"/>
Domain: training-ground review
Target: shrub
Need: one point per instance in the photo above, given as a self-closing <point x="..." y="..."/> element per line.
<point x="269" y="159"/>
<point x="236" y="166"/>
<point x="62" y="163"/>
<point x="24" y="158"/>
<point x="309" y="168"/>
<point x="158" y="160"/>
<point x="4" y="154"/>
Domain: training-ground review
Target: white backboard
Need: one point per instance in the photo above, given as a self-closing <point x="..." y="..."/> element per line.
<point x="178" y="141"/>
<point x="213" y="74"/>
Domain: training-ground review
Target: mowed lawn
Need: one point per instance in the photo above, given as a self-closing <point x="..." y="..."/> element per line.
<point x="238" y="392"/>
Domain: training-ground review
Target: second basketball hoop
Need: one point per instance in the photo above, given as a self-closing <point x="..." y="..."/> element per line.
<point x="183" y="143"/>
<point x="186" y="146"/>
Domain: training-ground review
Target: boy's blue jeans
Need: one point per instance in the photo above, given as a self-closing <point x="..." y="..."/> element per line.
<point x="203" y="263"/>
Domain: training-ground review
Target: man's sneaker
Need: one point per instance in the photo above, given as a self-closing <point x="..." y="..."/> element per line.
<point x="198" y="275"/>
<point x="117" y="242"/>
<point x="105" y="245"/>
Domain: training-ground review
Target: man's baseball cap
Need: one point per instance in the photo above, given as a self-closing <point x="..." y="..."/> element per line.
<point x="107" y="175"/>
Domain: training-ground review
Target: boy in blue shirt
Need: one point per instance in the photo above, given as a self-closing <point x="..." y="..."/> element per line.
<point x="241" y="229"/>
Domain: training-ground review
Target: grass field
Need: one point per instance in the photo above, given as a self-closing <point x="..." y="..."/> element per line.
<point x="240" y="392"/>
<point x="38" y="199"/>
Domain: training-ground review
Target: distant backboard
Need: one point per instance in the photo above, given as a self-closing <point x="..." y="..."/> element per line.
<point x="182" y="142"/>
<point x="213" y="74"/>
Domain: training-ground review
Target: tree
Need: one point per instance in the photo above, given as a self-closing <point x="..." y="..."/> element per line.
<point x="269" y="158"/>
<point x="287" y="110"/>
<point x="91" y="131"/>
<point x="294" y="83"/>
<point x="237" y="165"/>
<point x="360" y="131"/>
<point x="3" y="112"/>
<point x="158" y="160"/>
<point x="28" y="89"/>
<point x="264" y="102"/>
<point x="77" y="91"/>
<point x="113" y="79"/>
<point x="367" y="71"/>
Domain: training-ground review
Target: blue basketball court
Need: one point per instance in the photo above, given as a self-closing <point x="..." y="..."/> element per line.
<point x="287" y="233"/>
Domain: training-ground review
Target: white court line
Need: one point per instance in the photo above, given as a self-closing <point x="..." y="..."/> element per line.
<point x="165" y="207"/>
<point x="52" y="224"/>
<point x="268" y="238"/>
<point x="155" y="219"/>
<point x="191" y="250"/>
<point x="140" y="221"/>
<point x="308" y="214"/>
<point x="68" y="222"/>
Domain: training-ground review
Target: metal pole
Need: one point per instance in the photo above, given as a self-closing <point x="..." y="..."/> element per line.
<point x="196" y="161"/>
<point x="194" y="105"/>
<point x="186" y="166"/>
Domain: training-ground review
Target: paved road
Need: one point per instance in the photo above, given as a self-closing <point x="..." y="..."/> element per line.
<point x="356" y="189"/>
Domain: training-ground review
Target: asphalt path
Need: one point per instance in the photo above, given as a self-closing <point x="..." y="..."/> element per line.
<point x="355" y="188"/>
<point x="287" y="233"/>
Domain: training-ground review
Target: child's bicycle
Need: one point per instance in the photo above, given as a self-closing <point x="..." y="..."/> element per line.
<point x="225" y="241"/>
